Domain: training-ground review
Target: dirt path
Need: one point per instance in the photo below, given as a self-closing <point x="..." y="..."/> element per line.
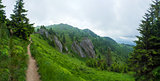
<point x="32" y="74"/>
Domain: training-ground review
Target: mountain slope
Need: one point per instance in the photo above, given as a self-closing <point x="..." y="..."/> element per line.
<point x="101" y="44"/>
<point x="55" y="66"/>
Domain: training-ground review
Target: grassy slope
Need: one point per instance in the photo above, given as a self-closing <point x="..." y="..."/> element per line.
<point x="119" y="51"/>
<point x="101" y="43"/>
<point x="13" y="59"/>
<point x="55" y="66"/>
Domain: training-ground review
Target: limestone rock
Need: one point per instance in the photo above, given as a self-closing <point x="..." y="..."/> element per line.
<point x="77" y="49"/>
<point x="88" y="47"/>
<point x="58" y="43"/>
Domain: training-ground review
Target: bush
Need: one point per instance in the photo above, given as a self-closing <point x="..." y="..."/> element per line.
<point x="120" y="68"/>
<point x="13" y="59"/>
<point x="102" y="65"/>
<point x="156" y="74"/>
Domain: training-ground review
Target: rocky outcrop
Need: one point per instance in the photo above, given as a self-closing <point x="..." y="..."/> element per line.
<point x="77" y="49"/>
<point x="58" y="43"/>
<point x="85" y="48"/>
<point x="88" y="47"/>
<point x="43" y="32"/>
<point x="53" y="38"/>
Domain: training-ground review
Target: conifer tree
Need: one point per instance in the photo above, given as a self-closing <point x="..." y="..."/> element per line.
<point x="109" y="57"/>
<point x="2" y="13"/>
<point x="3" y="28"/>
<point x="146" y="55"/>
<point x="20" y="22"/>
<point x="64" y="39"/>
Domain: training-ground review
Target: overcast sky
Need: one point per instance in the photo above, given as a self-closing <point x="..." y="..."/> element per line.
<point x="118" y="19"/>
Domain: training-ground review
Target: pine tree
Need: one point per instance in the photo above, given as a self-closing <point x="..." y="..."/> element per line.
<point x="3" y="28"/>
<point x="2" y="13"/>
<point x="64" y="39"/>
<point x="109" y="57"/>
<point x="20" y="22"/>
<point x="146" y="55"/>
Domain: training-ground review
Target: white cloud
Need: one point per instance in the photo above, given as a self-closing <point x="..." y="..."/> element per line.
<point x="113" y="18"/>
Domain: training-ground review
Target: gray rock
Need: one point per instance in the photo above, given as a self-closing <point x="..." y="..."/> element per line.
<point x="43" y="31"/>
<point x="77" y="49"/>
<point x="52" y="38"/>
<point x="66" y="49"/>
<point x="58" y="43"/>
<point x="88" y="47"/>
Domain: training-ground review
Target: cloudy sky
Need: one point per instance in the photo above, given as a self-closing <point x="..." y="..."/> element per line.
<point x="118" y="19"/>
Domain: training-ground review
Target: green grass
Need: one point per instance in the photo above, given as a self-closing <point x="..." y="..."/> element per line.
<point x="13" y="59"/>
<point x="55" y="66"/>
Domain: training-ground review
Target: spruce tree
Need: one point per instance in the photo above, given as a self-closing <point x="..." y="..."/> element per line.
<point x="20" y="22"/>
<point x="109" y="57"/>
<point x="2" y="13"/>
<point x="3" y="28"/>
<point x="64" y="39"/>
<point x="146" y="55"/>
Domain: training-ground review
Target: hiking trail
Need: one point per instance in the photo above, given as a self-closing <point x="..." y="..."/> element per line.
<point x="32" y="74"/>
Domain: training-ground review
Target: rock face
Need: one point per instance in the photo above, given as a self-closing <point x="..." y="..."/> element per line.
<point x="85" y="48"/>
<point x="77" y="49"/>
<point x="87" y="45"/>
<point x="58" y="43"/>
<point x="43" y="31"/>
<point x="54" y="38"/>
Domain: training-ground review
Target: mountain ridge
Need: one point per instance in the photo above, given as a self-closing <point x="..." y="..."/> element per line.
<point x="68" y="34"/>
<point x="120" y="41"/>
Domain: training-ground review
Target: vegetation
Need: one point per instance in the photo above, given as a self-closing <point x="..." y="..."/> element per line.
<point x="54" y="66"/>
<point x="111" y="61"/>
<point x="2" y="13"/>
<point x="109" y="57"/>
<point x="101" y="43"/>
<point x="146" y="55"/>
<point x="13" y="57"/>
<point x="114" y="52"/>
<point x="20" y="23"/>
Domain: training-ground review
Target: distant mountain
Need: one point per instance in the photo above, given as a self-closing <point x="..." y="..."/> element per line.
<point x="123" y="41"/>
